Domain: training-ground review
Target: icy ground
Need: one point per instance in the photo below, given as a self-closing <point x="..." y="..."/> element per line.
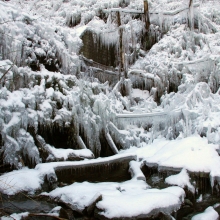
<point x="54" y="113"/>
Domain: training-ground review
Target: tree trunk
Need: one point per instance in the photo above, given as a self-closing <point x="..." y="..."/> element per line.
<point x="121" y="52"/>
<point x="191" y="15"/>
<point x="146" y="15"/>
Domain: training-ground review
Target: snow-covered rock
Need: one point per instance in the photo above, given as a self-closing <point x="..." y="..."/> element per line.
<point x="209" y="213"/>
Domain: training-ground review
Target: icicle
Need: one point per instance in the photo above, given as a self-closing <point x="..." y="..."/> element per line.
<point x="161" y="20"/>
<point x="109" y="21"/>
<point x="199" y="16"/>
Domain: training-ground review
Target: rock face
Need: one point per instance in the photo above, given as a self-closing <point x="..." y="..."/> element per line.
<point x="93" y="48"/>
<point x="113" y="169"/>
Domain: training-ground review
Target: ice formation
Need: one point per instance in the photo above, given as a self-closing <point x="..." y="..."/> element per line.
<point x="80" y="80"/>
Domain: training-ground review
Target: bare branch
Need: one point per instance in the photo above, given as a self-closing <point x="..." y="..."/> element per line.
<point x="6" y="72"/>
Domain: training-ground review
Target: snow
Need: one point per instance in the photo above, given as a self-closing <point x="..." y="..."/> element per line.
<point x="182" y="180"/>
<point x="15" y="216"/>
<point x="192" y="153"/>
<point x="19" y="181"/>
<point x="147" y="150"/>
<point x="45" y="168"/>
<point x="199" y="199"/>
<point x="137" y="93"/>
<point x="126" y="199"/>
<point x="66" y="153"/>
<point x="19" y="216"/>
<point x="55" y="211"/>
<point x="135" y="170"/>
<point x="141" y="204"/>
<point x="209" y="213"/>
<point x="40" y="52"/>
<point x="80" y="195"/>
